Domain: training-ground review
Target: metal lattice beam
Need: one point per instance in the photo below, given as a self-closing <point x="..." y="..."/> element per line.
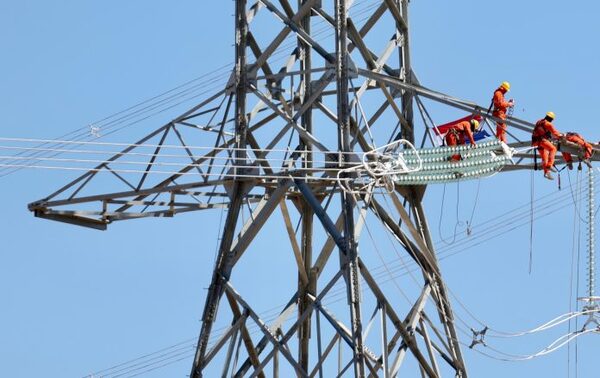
<point x="279" y="133"/>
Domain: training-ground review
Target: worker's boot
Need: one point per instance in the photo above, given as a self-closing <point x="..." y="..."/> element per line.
<point x="549" y="176"/>
<point x="553" y="169"/>
<point x="570" y="165"/>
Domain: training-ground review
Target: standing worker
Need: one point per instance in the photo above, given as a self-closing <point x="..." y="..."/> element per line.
<point x="457" y="134"/>
<point x="500" y="108"/>
<point x="543" y="135"/>
<point x="585" y="147"/>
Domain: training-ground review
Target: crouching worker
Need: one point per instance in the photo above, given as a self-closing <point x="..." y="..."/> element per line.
<point x="458" y="133"/>
<point x="542" y="137"/>
<point x="586" y="149"/>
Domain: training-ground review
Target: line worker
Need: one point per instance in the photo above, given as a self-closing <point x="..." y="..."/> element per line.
<point x="543" y="136"/>
<point x="500" y="109"/>
<point x="457" y="134"/>
<point x="585" y="147"/>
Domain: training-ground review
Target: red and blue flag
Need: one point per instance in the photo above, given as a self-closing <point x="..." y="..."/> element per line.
<point x="442" y="130"/>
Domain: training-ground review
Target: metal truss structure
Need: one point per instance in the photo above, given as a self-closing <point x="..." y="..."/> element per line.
<point x="311" y="90"/>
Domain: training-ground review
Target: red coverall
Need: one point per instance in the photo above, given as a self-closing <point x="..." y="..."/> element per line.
<point x="456" y="135"/>
<point x="542" y="134"/>
<point x="585" y="146"/>
<point x="500" y="107"/>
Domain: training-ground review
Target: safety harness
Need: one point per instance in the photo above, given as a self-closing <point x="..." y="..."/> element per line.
<point x="540" y="133"/>
<point x="497" y="110"/>
<point x="454" y="132"/>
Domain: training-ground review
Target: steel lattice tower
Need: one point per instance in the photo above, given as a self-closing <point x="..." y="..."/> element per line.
<point x="312" y="88"/>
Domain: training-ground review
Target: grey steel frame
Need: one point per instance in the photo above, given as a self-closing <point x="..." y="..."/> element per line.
<point x="414" y="334"/>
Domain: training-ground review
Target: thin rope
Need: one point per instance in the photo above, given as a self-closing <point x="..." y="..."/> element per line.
<point x="457" y="222"/>
<point x="577" y="292"/>
<point x="531" y="219"/>
<point x="576" y="230"/>
<point x="470" y="222"/>
<point x="573" y="197"/>
<point x="504" y="224"/>
<point x="380" y="255"/>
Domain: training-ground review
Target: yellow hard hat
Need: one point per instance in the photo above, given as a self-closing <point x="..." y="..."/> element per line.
<point x="505" y="85"/>
<point x="475" y="124"/>
<point x="550" y="115"/>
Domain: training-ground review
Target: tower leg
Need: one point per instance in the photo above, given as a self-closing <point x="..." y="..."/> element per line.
<point x="350" y="260"/>
<point x="225" y="255"/>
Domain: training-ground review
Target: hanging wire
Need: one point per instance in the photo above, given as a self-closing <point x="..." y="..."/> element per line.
<point x="508" y="222"/>
<point x="573" y="197"/>
<point x="531" y="219"/>
<point x="405" y="270"/>
<point x="501" y="232"/>
<point x="408" y="270"/>
<point x="457" y="222"/>
<point x="553" y="347"/>
<point x="160" y="154"/>
<point x="418" y="263"/>
<point x="574" y="260"/>
<point x="563" y="340"/>
<point x="470" y="221"/>
<point x="146" y="145"/>
<point x="86" y="136"/>
<point x="232" y="175"/>
<point x="363" y="118"/>
<point x="577" y="290"/>
<point x="386" y="268"/>
<point x="181" y="164"/>
<point x="126" y="115"/>
<point x="102" y="122"/>
<point x="379" y="253"/>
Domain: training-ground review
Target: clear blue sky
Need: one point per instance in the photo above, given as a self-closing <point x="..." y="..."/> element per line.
<point x="76" y="301"/>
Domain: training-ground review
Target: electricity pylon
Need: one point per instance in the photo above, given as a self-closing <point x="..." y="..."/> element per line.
<point x="336" y="92"/>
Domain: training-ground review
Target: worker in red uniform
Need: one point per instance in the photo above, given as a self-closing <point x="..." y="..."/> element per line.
<point x="500" y="108"/>
<point x="543" y="135"/>
<point x="457" y="134"/>
<point x="586" y="149"/>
